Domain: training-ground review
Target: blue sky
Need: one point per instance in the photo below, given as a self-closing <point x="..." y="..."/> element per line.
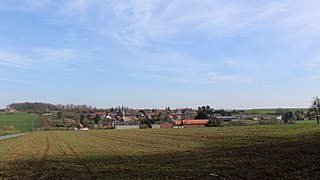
<point x="158" y="53"/>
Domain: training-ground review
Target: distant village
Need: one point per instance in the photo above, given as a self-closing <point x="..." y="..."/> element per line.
<point x="83" y="117"/>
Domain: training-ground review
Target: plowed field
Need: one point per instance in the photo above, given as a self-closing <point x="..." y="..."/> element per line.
<point x="285" y="152"/>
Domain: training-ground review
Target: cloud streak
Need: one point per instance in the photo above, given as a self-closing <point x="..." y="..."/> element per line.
<point x="141" y="22"/>
<point x="138" y="23"/>
<point x="52" y="54"/>
<point x="179" y="67"/>
<point x="74" y="10"/>
<point x="13" y="60"/>
<point x="37" y="56"/>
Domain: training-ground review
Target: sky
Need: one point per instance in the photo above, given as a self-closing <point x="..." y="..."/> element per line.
<point x="158" y="53"/>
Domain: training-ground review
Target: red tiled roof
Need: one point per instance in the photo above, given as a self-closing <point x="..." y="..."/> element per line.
<point x="193" y="121"/>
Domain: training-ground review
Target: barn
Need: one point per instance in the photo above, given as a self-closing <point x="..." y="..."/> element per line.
<point x="192" y="123"/>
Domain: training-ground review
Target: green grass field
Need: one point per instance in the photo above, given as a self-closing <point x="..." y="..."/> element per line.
<point x="306" y="122"/>
<point x="272" y="110"/>
<point x="21" y="121"/>
<point x="255" y="152"/>
<point x="7" y="133"/>
<point x="260" y="111"/>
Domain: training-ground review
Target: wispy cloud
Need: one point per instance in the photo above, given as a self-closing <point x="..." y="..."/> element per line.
<point x="301" y="19"/>
<point x="52" y="54"/>
<point x="179" y="67"/>
<point x="13" y="60"/>
<point x="132" y="22"/>
<point x="139" y="22"/>
<point x="43" y="55"/>
<point x="74" y="10"/>
<point x="183" y="43"/>
<point x="136" y="21"/>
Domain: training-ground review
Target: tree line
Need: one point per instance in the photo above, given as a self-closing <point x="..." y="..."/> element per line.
<point x="34" y="107"/>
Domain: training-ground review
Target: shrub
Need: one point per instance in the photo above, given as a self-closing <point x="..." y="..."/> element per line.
<point x="215" y="123"/>
<point x="292" y="121"/>
<point x="11" y="128"/>
<point x="143" y="126"/>
<point x="8" y="128"/>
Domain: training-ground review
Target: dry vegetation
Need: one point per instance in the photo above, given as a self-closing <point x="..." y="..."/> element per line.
<point x="286" y="151"/>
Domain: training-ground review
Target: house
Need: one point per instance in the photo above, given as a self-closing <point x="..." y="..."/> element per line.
<point x="279" y="117"/>
<point x="82" y="128"/>
<point x="107" y="123"/>
<point x="11" y="110"/>
<point x="255" y="118"/>
<point x="129" y="119"/>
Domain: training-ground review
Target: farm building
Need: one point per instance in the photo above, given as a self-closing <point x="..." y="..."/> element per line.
<point x="192" y="123"/>
<point x="166" y="125"/>
<point x="118" y="126"/>
<point x="155" y="126"/>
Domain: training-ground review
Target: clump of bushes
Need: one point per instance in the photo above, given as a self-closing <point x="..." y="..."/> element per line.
<point x="8" y="128"/>
<point x="143" y="126"/>
<point x="215" y="123"/>
<point x="291" y="121"/>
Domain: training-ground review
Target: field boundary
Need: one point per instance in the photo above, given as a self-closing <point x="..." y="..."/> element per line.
<point x="11" y="136"/>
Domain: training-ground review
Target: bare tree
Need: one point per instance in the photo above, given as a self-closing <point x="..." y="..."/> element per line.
<point x="315" y="106"/>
